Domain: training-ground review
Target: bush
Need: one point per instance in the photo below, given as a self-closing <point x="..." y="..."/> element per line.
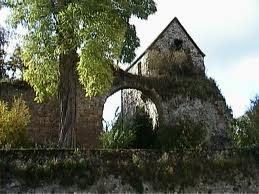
<point x="189" y="128"/>
<point x="143" y="128"/>
<point x="243" y="133"/>
<point x="137" y="133"/>
<point x="246" y="128"/>
<point x="13" y="123"/>
<point x="253" y="113"/>
<point x="171" y="63"/>
<point x="118" y="137"/>
<point x="184" y="135"/>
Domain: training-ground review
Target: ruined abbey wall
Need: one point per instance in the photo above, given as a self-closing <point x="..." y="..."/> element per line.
<point x="190" y="105"/>
<point x="44" y="125"/>
<point x="168" y="101"/>
<point x="128" y="171"/>
<point x="164" y="43"/>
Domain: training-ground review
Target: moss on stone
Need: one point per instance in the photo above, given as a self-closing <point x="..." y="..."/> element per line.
<point x="166" y="171"/>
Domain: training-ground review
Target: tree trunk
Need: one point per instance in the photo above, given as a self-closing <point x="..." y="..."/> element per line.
<point x="67" y="99"/>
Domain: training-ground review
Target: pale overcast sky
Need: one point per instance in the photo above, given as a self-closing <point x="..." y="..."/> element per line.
<point x="227" y="31"/>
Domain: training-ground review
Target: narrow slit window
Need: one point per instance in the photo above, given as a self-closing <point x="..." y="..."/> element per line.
<point x="178" y="44"/>
<point x="139" y="69"/>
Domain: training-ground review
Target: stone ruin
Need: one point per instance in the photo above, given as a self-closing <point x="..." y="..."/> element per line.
<point x="167" y="99"/>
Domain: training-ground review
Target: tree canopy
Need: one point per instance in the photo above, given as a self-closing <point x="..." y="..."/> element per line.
<point x="75" y="39"/>
<point x="99" y="31"/>
<point x="3" y="42"/>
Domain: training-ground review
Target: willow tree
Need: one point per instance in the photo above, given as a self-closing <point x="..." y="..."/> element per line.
<point x="71" y="40"/>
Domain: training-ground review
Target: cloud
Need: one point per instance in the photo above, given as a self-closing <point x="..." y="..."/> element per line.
<point x="219" y="26"/>
<point x="207" y="22"/>
<point x="226" y="31"/>
<point x="239" y="82"/>
<point x="231" y="18"/>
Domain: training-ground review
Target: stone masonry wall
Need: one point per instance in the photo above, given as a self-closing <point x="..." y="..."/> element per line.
<point x="44" y="125"/>
<point x="175" y="31"/>
<point x="164" y="43"/>
<point x="132" y="98"/>
<point x="45" y="117"/>
<point x="189" y="104"/>
<point x="128" y="171"/>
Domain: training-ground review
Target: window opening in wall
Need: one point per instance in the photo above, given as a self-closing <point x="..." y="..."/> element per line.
<point x="178" y="44"/>
<point x="139" y="69"/>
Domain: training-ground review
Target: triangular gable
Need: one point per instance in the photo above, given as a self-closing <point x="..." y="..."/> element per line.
<point x="175" y="20"/>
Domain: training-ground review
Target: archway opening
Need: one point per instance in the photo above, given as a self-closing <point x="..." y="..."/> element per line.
<point x="111" y="110"/>
<point x="124" y="104"/>
<point x="130" y="120"/>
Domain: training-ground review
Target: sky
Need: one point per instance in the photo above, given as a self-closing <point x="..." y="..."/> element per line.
<point x="227" y="31"/>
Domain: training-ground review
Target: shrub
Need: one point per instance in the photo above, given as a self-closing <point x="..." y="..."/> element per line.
<point x="243" y="132"/>
<point x="253" y="113"/>
<point x="171" y="63"/>
<point x="118" y="137"/>
<point x="184" y="135"/>
<point x="189" y="128"/>
<point x="143" y="128"/>
<point x="13" y="123"/>
<point x="135" y="133"/>
<point x="246" y="128"/>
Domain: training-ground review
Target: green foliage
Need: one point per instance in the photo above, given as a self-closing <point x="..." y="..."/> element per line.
<point x="130" y="43"/>
<point x="143" y="128"/>
<point x="171" y="63"/>
<point x="100" y="31"/>
<point x="3" y="42"/>
<point x="118" y="137"/>
<point x="246" y="128"/>
<point x="165" y="171"/>
<point x="13" y="123"/>
<point x="185" y="135"/>
<point x="15" y="65"/>
<point x="137" y="133"/>
<point x="9" y="66"/>
<point x="253" y="112"/>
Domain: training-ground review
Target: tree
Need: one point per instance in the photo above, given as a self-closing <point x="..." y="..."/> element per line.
<point x="143" y="129"/>
<point x="246" y="128"/>
<point x="9" y="63"/>
<point x="253" y="113"/>
<point x="3" y="42"/>
<point x="15" y="64"/>
<point x="75" y="39"/>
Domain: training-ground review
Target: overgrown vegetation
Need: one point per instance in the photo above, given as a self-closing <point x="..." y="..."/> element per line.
<point x="57" y="30"/>
<point x="165" y="171"/>
<point x="13" y="124"/>
<point x="171" y="64"/>
<point x="186" y="135"/>
<point x="143" y="128"/>
<point x="11" y="65"/>
<point x="137" y="133"/>
<point x="176" y="72"/>
<point x="246" y="128"/>
<point x="117" y="137"/>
